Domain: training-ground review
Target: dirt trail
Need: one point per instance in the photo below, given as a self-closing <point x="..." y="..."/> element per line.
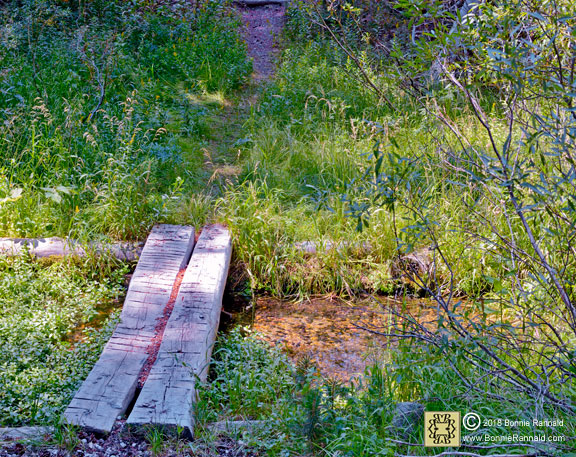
<point x="263" y="26"/>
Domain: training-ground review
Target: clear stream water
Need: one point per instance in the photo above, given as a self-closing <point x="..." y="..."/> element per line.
<point x="327" y="331"/>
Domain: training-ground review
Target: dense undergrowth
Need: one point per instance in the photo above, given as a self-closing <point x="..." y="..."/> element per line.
<point x="469" y="166"/>
<point x="327" y="154"/>
<point x="103" y="122"/>
<point x="311" y="143"/>
<point x="99" y="110"/>
<point x="46" y="340"/>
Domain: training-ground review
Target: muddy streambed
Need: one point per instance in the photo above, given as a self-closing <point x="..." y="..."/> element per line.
<point x="329" y="332"/>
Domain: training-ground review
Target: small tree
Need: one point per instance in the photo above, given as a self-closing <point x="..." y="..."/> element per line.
<point x="511" y="65"/>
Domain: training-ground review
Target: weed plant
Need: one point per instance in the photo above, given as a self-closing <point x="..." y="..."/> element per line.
<point x="104" y="110"/>
<point x="120" y="133"/>
<point x="110" y="112"/>
<point x="47" y="345"/>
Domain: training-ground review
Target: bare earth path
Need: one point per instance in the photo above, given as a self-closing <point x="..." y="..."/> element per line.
<point x="263" y="27"/>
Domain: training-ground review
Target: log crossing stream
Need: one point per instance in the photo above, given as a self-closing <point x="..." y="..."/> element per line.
<point x="163" y="343"/>
<point x="186" y="328"/>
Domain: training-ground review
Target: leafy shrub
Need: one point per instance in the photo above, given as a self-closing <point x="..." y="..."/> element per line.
<point x="41" y="307"/>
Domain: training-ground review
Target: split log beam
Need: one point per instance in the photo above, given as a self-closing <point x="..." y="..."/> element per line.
<point x="111" y="385"/>
<point x="59" y="247"/>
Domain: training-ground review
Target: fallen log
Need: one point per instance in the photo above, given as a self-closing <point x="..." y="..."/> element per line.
<point x="60" y="247"/>
<point x="314" y="247"/>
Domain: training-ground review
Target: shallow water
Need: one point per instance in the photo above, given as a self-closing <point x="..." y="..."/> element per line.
<point x="98" y="321"/>
<point x="339" y="337"/>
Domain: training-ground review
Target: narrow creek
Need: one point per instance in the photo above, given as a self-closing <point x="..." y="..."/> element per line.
<point x="329" y="332"/>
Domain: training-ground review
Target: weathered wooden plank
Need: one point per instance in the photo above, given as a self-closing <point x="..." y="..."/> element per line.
<point x="169" y="392"/>
<point x="48" y="247"/>
<point x="111" y="385"/>
<point x="107" y="391"/>
<point x="24" y="433"/>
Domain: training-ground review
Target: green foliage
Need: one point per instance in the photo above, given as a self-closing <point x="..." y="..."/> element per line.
<point x="300" y="412"/>
<point x="306" y="141"/>
<point x="297" y="411"/>
<point x="267" y="228"/>
<point x="41" y="307"/>
<point x="93" y="101"/>
<point x="504" y="163"/>
<point x="74" y="162"/>
<point x="316" y="83"/>
<point x="247" y="379"/>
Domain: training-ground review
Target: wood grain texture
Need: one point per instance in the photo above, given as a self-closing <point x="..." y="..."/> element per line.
<point x="24" y="433"/>
<point x="168" y="395"/>
<point x="111" y="385"/>
<point x="59" y="247"/>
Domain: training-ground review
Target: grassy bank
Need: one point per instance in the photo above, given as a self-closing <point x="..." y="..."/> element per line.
<point x="141" y="122"/>
<point x="299" y="413"/>
<point x="307" y="167"/>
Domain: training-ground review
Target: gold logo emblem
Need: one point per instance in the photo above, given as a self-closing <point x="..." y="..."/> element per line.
<point x="441" y="428"/>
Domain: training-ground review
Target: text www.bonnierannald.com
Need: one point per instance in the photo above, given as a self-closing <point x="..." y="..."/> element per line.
<point x="513" y="438"/>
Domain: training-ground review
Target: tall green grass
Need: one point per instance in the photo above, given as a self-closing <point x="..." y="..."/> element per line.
<point x="105" y="107"/>
<point x="94" y="101"/>
<point x="306" y="168"/>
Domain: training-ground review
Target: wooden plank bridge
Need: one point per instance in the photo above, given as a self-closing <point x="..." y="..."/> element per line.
<point x="168" y="326"/>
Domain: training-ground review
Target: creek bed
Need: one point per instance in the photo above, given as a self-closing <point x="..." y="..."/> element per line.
<point x="329" y="332"/>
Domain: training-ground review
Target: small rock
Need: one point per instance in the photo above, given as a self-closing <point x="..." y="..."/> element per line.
<point x="406" y="418"/>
